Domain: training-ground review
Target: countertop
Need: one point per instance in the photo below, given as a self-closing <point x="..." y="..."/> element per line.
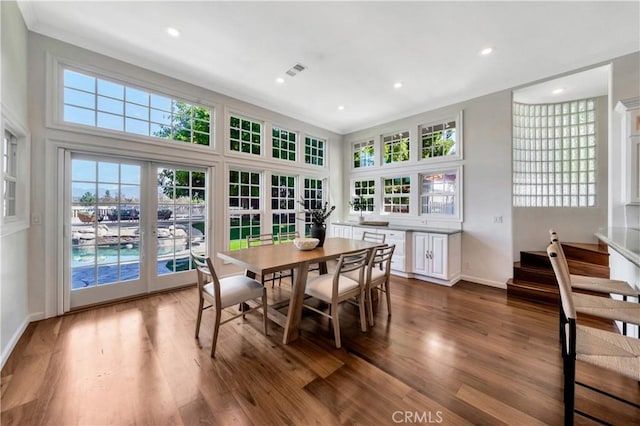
<point x="395" y="227"/>
<point x="625" y="241"/>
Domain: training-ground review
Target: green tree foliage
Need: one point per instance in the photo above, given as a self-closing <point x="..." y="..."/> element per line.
<point x="88" y="199"/>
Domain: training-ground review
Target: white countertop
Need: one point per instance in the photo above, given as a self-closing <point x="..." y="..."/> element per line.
<point x="395" y="227"/>
<point x="625" y="241"/>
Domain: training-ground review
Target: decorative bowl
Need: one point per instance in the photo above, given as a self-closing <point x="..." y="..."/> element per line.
<point x="305" y="243"/>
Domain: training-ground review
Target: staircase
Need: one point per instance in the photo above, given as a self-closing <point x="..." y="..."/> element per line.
<point x="534" y="280"/>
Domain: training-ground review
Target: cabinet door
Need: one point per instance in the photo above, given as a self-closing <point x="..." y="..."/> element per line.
<point x="438" y="255"/>
<point x="420" y="253"/>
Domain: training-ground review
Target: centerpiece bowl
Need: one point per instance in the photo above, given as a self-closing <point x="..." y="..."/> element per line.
<point x="305" y="243"/>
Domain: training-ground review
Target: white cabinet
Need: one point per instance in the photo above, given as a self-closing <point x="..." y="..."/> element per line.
<point x="398" y="261"/>
<point x="630" y="110"/>
<point x="437" y="256"/>
<point x="341" y="231"/>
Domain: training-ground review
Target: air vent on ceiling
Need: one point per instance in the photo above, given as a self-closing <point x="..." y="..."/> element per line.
<point x="296" y="69"/>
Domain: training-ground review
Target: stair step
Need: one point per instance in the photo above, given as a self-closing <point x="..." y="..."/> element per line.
<point x="591" y="253"/>
<point x="539" y="259"/>
<point x="534" y="274"/>
<point x="533" y="291"/>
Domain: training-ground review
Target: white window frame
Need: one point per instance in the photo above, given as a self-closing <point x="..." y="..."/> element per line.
<point x="21" y="220"/>
<point x="296" y="143"/>
<point x="458" y="194"/>
<point x="409" y="195"/>
<point x="459" y="155"/>
<point x="288" y="211"/>
<point x="240" y="211"/>
<point x="357" y="147"/>
<point x="227" y="138"/>
<point x="325" y="151"/>
<point x="374" y="197"/>
<point x="397" y="137"/>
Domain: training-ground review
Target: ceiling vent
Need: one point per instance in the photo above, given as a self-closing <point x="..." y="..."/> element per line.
<point x="296" y="69"/>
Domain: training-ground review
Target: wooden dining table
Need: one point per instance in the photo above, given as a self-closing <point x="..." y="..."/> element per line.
<point x="267" y="259"/>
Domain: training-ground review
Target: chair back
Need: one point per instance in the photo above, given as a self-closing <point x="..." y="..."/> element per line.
<point x="202" y="271"/>
<point x="285" y="236"/>
<point x="259" y="240"/>
<point x="373" y="237"/>
<point x="564" y="280"/>
<point x="352" y="262"/>
<point x="381" y="258"/>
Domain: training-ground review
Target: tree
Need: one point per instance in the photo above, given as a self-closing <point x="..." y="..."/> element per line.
<point x="88" y="199"/>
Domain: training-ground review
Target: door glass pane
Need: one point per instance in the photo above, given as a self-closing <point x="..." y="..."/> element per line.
<point x="181" y="218"/>
<point x="105" y="223"/>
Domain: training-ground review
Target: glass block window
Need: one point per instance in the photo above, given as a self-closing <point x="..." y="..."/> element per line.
<point x="283" y="144"/>
<point x="97" y="102"/>
<point x="313" y="197"/>
<point x="439" y="193"/>
<point x="396" y="147"/>
<point x="283" y="203"/>
<point x="363" y="154"/>
<point x="396" y="195"/>
<point x="241" y="226"/>
<point x="554" y="154"/>
<point x="314" y="150"/>
<point x="9" y="174"/>
<point x="438" y="140"/>
<point x="245" y="135"/>
<point x="365" y="190"/>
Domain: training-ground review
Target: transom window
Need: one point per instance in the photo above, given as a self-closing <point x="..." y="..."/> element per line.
<point x="245" y="135"/>
<point x="105" y="104"/>
<point x="438" y="140"/>
<point x="439" y="193"/>
<point x="244" y="201"/>
<point x="9" y="174"/>
<point x="283" y="144"/>
<point x="396" y="147"/>
<point x="363" y="154"/>
<point x="396" y="195"/>
<point x="554" y="154"/>
<point x="283" y="203"/>
<point x="314" y="151"/>
<point x="364" y="191"/>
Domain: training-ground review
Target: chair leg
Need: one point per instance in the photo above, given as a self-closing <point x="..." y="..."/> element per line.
<point x="200" y="305"/>
<point x="370" y="306"/>
<point x="363" y="314"/>
<point x="336" y="324"/>
<point x="264" y="310"/>
<point x="216" y="327"/>
<point x="388" y="293"/>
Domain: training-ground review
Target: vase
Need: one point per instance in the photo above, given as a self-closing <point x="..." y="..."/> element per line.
<point x="318" y="231"/>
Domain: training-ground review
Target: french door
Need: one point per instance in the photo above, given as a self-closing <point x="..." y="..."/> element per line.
<point x="130" y="227"/>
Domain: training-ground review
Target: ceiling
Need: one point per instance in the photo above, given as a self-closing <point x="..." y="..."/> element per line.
<point x="354" y="51"/>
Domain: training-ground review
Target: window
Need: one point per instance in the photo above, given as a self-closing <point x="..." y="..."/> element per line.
<point x="283" y="203"/>
<point x="365" y="190"/>
<point x="9" y="174"/>
<point x="438" y="140"/>
<point x="554" y="154"/>
<point x="314" y="151"/>
<point x="97" y="102"/>
<point x="313" y="198"/>
<point x="396" y="147"/>
<point x="396" y="195"/>
<point x="283" y="144"/>
<point x="245" y="135"/>
<point x="363" y="154"/>
<point x="244" y="200"/>
<point x="440" y="193"/>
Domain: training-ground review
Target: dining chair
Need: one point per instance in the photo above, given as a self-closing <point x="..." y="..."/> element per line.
<point x="338" y="287"/>
<point x="223" y="293"/>
<point x="378" y="277"/>
<point x="603" y="308"/>
<point x="618" y="353"/>
<point x="263" y="240"/>
<point x="373" y="237"/>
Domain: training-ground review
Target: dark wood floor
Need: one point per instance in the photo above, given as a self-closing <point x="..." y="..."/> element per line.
<point x="461" y="355"/>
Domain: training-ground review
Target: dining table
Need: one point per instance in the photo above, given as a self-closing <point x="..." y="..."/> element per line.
<point x="267" y="259"/>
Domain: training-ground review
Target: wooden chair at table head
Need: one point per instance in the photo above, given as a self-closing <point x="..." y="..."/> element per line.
<point x="223" y="293"/>
<point x="373" y="237"/>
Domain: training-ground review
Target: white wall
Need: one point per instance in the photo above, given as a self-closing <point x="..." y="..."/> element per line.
<point x="14" y="254"/>
<point x="486" y="246"/>
<point x="531" y="224"/>
<point x="47" y="137"/>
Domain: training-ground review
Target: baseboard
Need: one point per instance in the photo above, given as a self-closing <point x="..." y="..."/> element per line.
<point x="483" y="281"/>
<point x="18" y="334"/>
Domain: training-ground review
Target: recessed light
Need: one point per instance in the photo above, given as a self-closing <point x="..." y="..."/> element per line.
<point x="558" y="90"/>
<point x="397" y="85"/>
<point x="486" y="51"/>
<point x="340" y="107"/>
<point x="280" y="80"/>
<point x="173" y="32"/>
